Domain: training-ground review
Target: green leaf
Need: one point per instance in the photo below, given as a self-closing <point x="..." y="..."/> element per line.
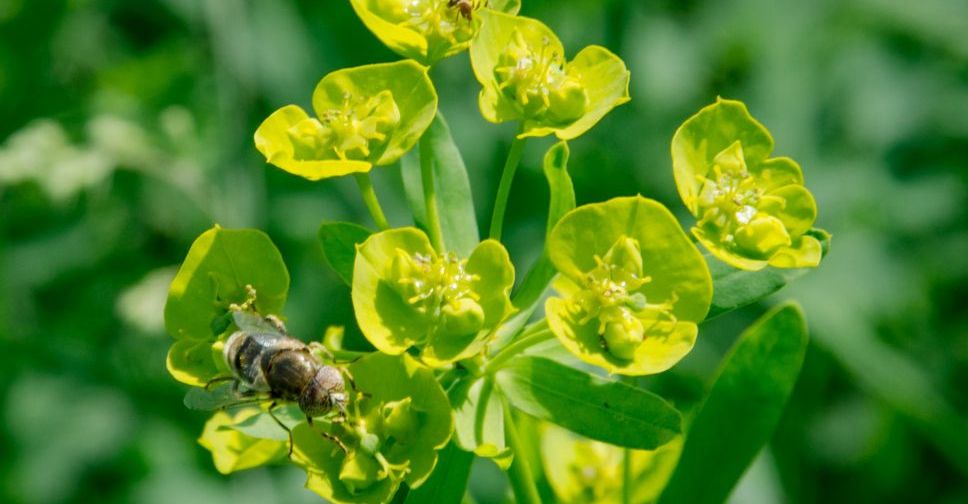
<point x="562" y="199"/>
<point x="743" y="407"/>
<point x="537" y="279"/>
<point x="458" y="222"/>
<point x="448" y="482"/>
<point x="479" y="419"/>
<point x="735" y="288"/>
<point x="339" y="241"/>
<point x="593" y="406"/>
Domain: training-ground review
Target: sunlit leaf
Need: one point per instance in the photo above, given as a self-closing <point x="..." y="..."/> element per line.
<point x="743" y="407"/>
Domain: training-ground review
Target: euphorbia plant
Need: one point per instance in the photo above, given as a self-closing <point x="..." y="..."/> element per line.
<point x="462" y="363"/>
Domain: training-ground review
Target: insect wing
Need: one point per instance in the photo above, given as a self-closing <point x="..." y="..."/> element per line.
<point x="252" y="322"/>
<point x="222" y="396"/>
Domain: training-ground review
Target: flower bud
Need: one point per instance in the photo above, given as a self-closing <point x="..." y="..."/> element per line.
<point x="568" y="102"/>
<point x="763" y="236"/>
<point x="623" y="337"/>
<point x="360" y="471"/>
<point x="462" y="316"/>
<point x="399" y="418"/>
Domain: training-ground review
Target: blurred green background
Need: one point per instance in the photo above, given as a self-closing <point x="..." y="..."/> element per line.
<point x="126" y="130"/>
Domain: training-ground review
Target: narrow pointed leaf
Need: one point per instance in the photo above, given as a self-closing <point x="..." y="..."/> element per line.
<point x="339" y="241"/>
<point x="595" y="407"/>
<point x="448" y="482"/>
<point x="742" y="409"/>
<point x="455" y="202"/>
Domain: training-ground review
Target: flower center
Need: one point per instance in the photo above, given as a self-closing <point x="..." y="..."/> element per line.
<point x="537" y="82"/>
<point x="441" y="290"/>
<point x="444" y="23"/>
<point x="351" y="131"/>
<point x="611" y="293"/>
<point x="729" y="196"/>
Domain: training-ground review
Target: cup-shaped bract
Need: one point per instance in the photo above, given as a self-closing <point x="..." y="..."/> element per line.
<point x="632" y="287"/>
<point x="392" y="433"/>
<point x="581" y="470"/>
<point x="405" y="294"/>
<point x="365" y="116"/>
<point x="221" y="265"/>
<point x="427" y="30"/>
<point x="524" y="76"/>
<point x="752" y="210"/>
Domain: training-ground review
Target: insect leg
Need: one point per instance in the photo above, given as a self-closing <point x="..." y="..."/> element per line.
<point x="220" y="379"/>
<point x="287" y="429"/>
<point x="331" y="437"/>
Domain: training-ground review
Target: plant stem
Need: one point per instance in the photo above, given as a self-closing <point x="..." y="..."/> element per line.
<point x="430" y="193"/>
<point x="504" y="189"/>
<point x="372" y="203"/>
<point x="626" y="476"/>
<point x="627" y="482"/>
<point x="516" y="347"/>
<point x="519" y="474"/>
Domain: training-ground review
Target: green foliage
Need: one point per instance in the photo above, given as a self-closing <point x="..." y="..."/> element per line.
<point x="366" y="116"/>
<point x="455" y="366"/>
<point x="521" y="66"/>
<point x="339" y="241"/>
<point x="456" y="202"/>
<point x="214" y="275"/>
<point x="757" y="378"/>
<point x="595" y="407"/>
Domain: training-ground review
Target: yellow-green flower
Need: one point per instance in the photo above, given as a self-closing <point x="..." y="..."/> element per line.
<point x="405" y="294"/>
<point x="752" y="210"/>
<point x="524" y="75"/>
<point x="633" y="286"/>
<point x="427" y="30"/>
<point x="365" y="116"/>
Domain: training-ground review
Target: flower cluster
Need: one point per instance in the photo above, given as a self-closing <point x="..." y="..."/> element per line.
<point x="449" y="356"/>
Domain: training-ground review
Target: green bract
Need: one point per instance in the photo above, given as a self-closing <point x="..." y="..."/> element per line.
<point x="634" y="286"/>
<point x="365" y="116"/>
<point x="752" y="210"/>
<point x="234" y="451"/>
<point x="392" y="434"/>
<point x="405" y="294"/>
<point x="219" y="266"/>
<point x="427" y="30"/>
<point x="581" y="470"/>
<point x="521" y="66"/>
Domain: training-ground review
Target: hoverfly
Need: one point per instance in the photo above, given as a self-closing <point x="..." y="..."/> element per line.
<point x="269" y="365"/>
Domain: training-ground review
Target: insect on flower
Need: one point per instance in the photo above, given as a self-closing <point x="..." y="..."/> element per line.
<point x="464" y="7"/>
<point x="269" y="365"/>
